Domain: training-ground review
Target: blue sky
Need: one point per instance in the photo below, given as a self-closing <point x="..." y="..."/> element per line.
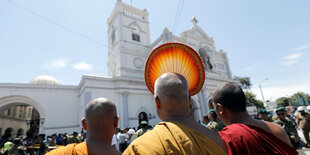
<point x="66" y="39"/>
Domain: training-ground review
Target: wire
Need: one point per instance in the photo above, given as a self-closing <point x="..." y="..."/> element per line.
<point x="55" y="23"/>
<point x="178" y="15"/>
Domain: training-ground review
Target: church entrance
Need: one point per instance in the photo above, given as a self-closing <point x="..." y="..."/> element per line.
<point x="143" y="117"/>
<point x="16" y="118"/>
<point x="19" y="117"/>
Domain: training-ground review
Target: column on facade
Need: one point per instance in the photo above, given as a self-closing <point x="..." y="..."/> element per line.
<point x="205" y="101"/>
<point x="41" y="130"/>
<point x="201" y="103"/>
<point x="125" y="116"/>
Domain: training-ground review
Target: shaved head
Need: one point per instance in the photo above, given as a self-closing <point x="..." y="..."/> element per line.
<point x="231" y="96"/>
<point x="100" y="115"/>
<point x="100" y="107"/>
<point x="100" y="121"/>
<point x="172" y="87"/>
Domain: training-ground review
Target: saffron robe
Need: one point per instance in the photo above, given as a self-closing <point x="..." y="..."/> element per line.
<point x="173" y="138"/>
<point x="251" y="140"/>
<point x="72" y="149"/>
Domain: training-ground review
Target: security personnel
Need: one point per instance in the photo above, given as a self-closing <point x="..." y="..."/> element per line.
<point x="221" y="125"/>
<point x="288" y="126"/>
<point x="74" y="138"/>
<point x="213" y="124"/>
<point x="144" y="128"/>
<point x="303" y="122"/>
<point x="263" y="115"/>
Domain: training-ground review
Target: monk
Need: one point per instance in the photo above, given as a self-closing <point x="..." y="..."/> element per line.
<point x="178" y="134"/>
<point x="100" y="121"/>
<point x="244" y="134"/>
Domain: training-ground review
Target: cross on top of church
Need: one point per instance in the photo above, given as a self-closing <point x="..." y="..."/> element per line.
<point x="194" y="21"/>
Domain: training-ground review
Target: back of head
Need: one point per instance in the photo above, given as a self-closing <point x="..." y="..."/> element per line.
<point x="100" y="114"/>
<point x="171" y="87"/>
<point x="213" y="114"/>
<point x="171" y="96"/>
<point x="231" y="96"/>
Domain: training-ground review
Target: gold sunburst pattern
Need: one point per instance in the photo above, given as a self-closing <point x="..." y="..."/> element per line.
<point x="177" y="58"/>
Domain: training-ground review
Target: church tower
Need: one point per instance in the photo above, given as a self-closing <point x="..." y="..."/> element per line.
<point x="129" y="40"/>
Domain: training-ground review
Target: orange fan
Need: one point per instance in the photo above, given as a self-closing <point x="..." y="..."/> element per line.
<point x="177" y="58"/>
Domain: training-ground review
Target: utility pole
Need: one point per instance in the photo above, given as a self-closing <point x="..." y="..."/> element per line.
<point x="261" y="91"/>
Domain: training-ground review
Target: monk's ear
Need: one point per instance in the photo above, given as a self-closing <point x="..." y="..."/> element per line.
<point x="157" y="102"/>
<point x="116" y="121"/>
<point x="219" y="108"/>
<point x="84" y="123"/>
<point x="189" y="102"/>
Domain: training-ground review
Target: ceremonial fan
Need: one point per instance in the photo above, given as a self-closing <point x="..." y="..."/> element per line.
<point x="177" y="58"/>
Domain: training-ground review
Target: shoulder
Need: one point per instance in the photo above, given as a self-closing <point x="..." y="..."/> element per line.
<point x="213" y="122"/>
<point x="278" y="121"/>
<point x="148" y="143"/>
<point x="278" y="131"/>
<point x="62" y="150"/>
<point x="298" y="115"/>
<point x="289" y="121"/>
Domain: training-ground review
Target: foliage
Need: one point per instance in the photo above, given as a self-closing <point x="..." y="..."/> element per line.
<point x="283" y="101"/>
<point x="301" y="95"/>
<point x="252" y="101"/>
<point x="293" y="100"/>
<point x="243" y="82"/>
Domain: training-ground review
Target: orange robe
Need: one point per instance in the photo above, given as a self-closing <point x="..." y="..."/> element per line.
<point x="72" y="149"/>
<point x="173" y="138"/>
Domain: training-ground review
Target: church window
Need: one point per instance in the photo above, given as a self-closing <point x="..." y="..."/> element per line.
<point x="14" y="111"/>
<point x="221" y="66"/>
<point x="113" y="36"/>
<point x="135" y="37"/>
<point x="8" y="112"/>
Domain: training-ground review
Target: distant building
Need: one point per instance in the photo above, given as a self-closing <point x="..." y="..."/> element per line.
<point x="61" y="107"/>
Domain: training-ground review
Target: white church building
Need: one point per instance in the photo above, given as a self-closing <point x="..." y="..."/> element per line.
<point x="59" y="108"/>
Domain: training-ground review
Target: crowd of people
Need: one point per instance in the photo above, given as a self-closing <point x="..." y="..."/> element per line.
<point x="38" y="144"/>
<point x="227" y="128"/>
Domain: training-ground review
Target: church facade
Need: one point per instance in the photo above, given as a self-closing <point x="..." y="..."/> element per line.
<point x="61" y="107"/>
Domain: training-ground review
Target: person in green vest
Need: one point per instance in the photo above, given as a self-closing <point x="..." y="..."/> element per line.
<point x="74" y="138"/>
<point x="221" y="125"/>
<point x="263" y="115"/>
<point x="213" y="124"/>
<point x="303" y="122"/>
<point x="144" y="128"/>
<point x="289" y="126"/>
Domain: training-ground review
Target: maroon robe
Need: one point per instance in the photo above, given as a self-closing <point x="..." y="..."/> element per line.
<point x="245" y="139"/>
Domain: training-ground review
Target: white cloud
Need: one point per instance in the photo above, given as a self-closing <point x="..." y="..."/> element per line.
<point x="56" y="64"/>
<point x="291" y="59"/>
<point x="272" y="93"/>
<point x="82" y="66"/>
<point x="302" y="47"/>
<point x="290" y="62"/>
<point x="252" y="67"/>
<point x="292" y="56"/>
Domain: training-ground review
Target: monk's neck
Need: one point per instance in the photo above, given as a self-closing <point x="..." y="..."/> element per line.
<point x="96" y="143"/>
<point x="241" y="117"/>
<point x="181" y="119"/>
<point x="98" y="140"/>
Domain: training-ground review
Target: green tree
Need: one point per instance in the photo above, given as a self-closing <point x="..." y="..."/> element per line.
<point x="252" y="101"/>
<point x="283" y="101"/>
<point x="304" y="97"/>
<point x="243" y="82"/>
